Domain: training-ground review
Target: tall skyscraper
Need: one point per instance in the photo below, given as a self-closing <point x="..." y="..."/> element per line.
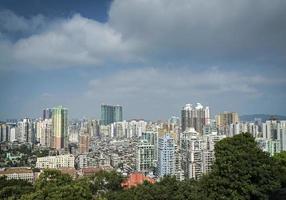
<point x="227" y="118"/>
<point x="47" y="113"/>
<point x="44" y="132"/>
<point x="117" y="113"/>
<point x="60" y="127"/>
<point x="4" y="132"/>
<point x="110" y="114"/>
<point x="166" y="156"/>
<point x="195" y="117"/>
<point x="26" y="130"/>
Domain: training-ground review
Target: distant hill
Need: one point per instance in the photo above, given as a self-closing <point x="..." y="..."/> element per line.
<point x="263" y="117"/>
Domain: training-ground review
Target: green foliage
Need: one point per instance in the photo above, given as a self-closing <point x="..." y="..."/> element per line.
<point x="52" y="178"/>
<point x="14" y="189"/>
<point x="167" y="189"/>
<point x="103" y="182"/>
<point x="27" y="156"/>
<point x="52" y="184"/>
<point x="241" y="171"/>
<point x="280" y="160"/>
<point x="41" y="153"/>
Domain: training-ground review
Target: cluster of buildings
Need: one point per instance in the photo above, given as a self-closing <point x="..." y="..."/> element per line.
<point x="50" y="131"/>
<point x="181" y="147"/>
<point x="270" y="135"/>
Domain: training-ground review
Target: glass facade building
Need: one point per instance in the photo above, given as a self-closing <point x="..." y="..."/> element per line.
<point x="110" y="114"/>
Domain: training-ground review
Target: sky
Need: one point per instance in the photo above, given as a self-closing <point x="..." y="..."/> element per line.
<point x="150" y="56"/>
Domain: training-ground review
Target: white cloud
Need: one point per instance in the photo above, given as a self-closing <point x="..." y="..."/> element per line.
<point x="74" y="42"/>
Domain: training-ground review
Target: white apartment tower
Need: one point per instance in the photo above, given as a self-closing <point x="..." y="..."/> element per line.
<point x="166" y="156"/>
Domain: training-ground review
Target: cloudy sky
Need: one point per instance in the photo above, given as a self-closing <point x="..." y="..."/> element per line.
<point x="151" y="56"/>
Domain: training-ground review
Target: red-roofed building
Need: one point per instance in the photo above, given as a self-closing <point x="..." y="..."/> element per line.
<point x="135" y="179"/>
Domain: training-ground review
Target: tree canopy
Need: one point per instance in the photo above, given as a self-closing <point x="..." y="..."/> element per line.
<point x="241" y="171"/>
<point x="13" y="189"/>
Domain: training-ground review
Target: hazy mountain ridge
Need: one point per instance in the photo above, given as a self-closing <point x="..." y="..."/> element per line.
<point x="263" y="117"/>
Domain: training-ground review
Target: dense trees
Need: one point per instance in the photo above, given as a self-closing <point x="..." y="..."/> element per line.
<point x="103" y="182"/>
<point x="13" y="189"/>
<point x="241" y="171"/>
<point x="52" y="184"/>
<point x="167" y="189"/>
<point x="280" y="160"/>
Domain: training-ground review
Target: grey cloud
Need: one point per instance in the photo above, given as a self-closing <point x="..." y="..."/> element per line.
<point x="158" y="93"/>
<point x="11" y="23"/>
<point x="152" y="81"/>
<point x="205" y="30"/>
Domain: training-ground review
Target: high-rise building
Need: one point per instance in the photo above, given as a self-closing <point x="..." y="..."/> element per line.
<point x="227" y="118"/>
<point x="117" y="113"/>
<point x="195" y="117"/>
<point x="166" y="156"/>
<point x="47" y="113"/>
<point x="60" y="127"/>
<point x="84" y="143"/>
<point x="281" y="131"/>
<point x="4" y="132"/>
<point x="145" y="161"/>
<point x="93" y="128"/>
<point x="197" y="152"/>
<point x="44" y="133"/>
<point x="13" y="134"/>
<point x="152" y="138"/>
<point x="274" y="130"/>
<point x="110" y="114"/>
<point x="269" y="145"/>
<point x="136" y="128"/>
<point x="26" y="130"/>
<point x="270" y="129"/>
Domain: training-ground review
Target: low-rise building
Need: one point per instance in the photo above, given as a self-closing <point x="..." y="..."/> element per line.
<point x="84" y="161"/>
<point x="135" y="179"/>
<point x="56" y="161"/>
<point x="23" y="173"/>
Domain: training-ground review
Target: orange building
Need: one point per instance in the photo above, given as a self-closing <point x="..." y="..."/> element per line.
<point x="84" y="143"/>
<point x="135" y="179"/>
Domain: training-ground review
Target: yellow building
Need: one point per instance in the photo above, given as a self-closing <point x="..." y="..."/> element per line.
<point x="227" y="118"/>
<point x="60" y="128"/>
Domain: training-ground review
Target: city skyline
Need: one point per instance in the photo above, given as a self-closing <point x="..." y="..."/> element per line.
<point x="41" y="113"/>
<point x="142" y="99"/>
<point x="81" y="55"/>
